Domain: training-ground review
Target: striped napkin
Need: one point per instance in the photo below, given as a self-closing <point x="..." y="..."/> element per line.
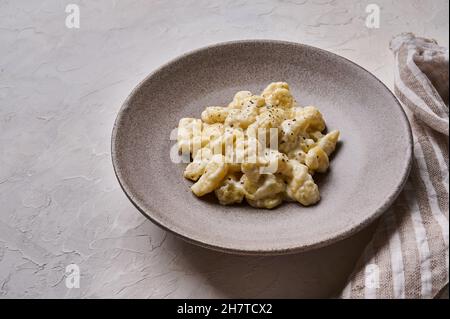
<point x="409" y="253"/>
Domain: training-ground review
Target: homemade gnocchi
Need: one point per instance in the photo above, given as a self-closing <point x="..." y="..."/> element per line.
<point x="261" y="148"/>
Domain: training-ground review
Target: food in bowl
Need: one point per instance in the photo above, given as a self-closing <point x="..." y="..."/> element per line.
<point x="261" y="148"/>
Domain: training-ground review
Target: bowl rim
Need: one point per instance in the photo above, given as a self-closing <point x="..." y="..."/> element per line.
<point x="331" y="237"/>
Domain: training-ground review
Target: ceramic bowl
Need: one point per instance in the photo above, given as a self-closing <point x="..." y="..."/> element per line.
<point x="367" y="172"/>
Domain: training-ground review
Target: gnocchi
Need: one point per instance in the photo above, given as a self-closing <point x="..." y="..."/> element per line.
<point x="261" y="148"/>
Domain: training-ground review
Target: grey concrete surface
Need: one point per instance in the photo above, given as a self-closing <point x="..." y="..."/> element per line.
<point x="60" y="89"/>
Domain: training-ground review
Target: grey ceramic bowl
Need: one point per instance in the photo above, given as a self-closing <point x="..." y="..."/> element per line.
<point x="368" y="170"/>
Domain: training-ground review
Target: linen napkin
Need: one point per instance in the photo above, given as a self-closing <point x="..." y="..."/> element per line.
<point x="408" y="255"/>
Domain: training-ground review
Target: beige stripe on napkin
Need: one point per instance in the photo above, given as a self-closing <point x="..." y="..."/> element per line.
<point x="408" y="255"/>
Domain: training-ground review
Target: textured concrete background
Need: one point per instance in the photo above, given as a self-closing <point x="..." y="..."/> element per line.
<point x="60" y="90"/>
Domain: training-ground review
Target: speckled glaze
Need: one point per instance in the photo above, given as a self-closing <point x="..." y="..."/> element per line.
<point x="367" y="172"/>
